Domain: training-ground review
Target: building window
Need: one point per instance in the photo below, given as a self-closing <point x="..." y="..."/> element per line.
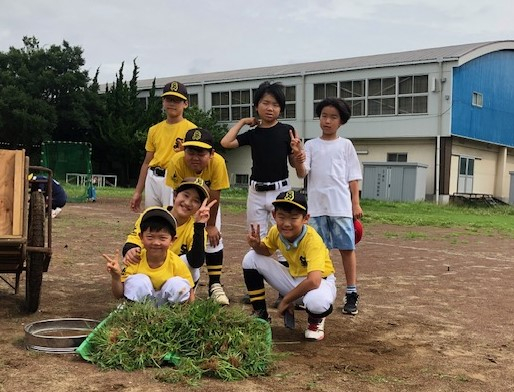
<point x="220" y="105"/>
<point x="396" y="157"/>
<point x="193" y="100"/>
<point x="240" y="104"/>
<point x="381" y="96"/>
<point x="322" y="91"/>
<point x="477" y="99"/>
<point x="353" y="91"/>
<point x="290" y="108"/>
<point x="413" y="94"/>
<point x="242" y="180"/>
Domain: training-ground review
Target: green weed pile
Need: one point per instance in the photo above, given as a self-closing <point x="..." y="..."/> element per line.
<point x="201" y="339"/>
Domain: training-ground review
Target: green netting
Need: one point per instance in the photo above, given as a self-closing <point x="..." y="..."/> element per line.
<point x="71" y="164"/>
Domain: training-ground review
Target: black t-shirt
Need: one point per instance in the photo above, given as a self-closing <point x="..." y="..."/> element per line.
<point x="270" y="150"/>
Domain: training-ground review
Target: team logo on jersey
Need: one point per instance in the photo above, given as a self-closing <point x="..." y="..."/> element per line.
<point x="183" y="249"/>
<point x="303" y="261"/>
<point x="178" y="144"/>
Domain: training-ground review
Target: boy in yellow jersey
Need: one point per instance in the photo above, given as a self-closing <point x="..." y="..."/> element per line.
<point x="199" y="160"/>
<point x="161" y="275"/>
<point x="163" y="141"/>
<point x="191" y="211"/>
<point x="309" y="279"/>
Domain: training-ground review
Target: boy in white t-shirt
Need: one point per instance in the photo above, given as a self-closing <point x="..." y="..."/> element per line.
<point x="333" y="173"/>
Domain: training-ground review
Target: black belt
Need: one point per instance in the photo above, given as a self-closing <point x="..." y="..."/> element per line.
<point x="158" y="171"/>
<point x="269" y="187"/>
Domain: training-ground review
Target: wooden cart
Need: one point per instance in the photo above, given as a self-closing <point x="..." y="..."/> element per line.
<point x="25" y="224"/>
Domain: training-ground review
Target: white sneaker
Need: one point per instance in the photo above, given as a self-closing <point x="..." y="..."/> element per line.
<point x="315" y="330"/>
<point x="216" y="293"/>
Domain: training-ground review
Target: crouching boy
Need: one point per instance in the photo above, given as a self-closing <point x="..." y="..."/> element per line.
<point x="309" y="279"/>
<point x="161" y="275"/>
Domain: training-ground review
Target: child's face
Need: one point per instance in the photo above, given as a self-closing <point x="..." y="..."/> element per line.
<point x="290" y="224"/>
<point x="268" y="108"/>
<point x="156" y="242"/>
<point x="197" y="159"/>
<point x="329" y="120"/>
<point x="173" y="106"/>
<point x="187" y="202"/>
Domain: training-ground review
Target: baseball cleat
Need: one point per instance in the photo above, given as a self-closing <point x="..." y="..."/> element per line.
<point x="217" y="293"/>
<point x="315" y="329"/>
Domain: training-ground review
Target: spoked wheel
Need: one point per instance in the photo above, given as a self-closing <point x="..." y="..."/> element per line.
<point x="35" y="260"/>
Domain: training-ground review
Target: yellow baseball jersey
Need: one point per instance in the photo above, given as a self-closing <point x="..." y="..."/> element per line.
<point x="172" y="266"/>
<point x="164" y="140"/>
<point x="215" y="174"/>
<point x="183" y="241"/>
<point x="311" y="254"/>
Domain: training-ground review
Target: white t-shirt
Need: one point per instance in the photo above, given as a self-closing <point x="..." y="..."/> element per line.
<point x="330" y="165"/>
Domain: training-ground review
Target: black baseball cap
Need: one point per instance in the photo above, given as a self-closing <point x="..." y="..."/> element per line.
<point x="176" y="89"/>
<point x="162" y="213"/>
<point x="194" y="182"/>
<point x="198" y="137"/>
<point x="292" y="197"/>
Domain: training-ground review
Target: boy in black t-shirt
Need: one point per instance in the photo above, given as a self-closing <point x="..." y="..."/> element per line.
<point x="272" y="144"/>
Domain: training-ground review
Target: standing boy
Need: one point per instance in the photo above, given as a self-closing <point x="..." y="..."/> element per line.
<point x="163" y="141"/>
<point x="160" y="275"/>
<point x="191" y="212"/>
<point x="272" y="144"/>
<point x="333" y="173"/>
<point x="199" y="160"/>
<point x="309" y="279"/>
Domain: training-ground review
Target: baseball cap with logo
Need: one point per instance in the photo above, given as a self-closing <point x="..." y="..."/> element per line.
<point x="175" y="88"/>
<point x="292" y="197"/>
<point x="194" y="182"/>
<point x="161" y="213"/>
<point x="198" y="137"/>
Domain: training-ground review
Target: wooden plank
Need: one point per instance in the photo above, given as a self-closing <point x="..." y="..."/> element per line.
<point x="7" y="158"/>
<point x="20" y="179"/>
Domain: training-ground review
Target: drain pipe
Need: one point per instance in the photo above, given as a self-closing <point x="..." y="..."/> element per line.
<point x="438" y="137"/>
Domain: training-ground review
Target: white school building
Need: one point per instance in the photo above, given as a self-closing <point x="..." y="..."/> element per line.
<point x="448" y="110"/>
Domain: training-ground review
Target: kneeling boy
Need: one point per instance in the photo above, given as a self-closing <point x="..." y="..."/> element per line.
<point x="161" y="275"/>
<point x="309" y="279"/>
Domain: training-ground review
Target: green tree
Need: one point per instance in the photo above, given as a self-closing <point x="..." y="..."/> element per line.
<point x="207" y="120"/>
<point x="42" y="94"/>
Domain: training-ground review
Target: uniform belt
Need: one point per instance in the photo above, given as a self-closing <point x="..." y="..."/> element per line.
<point x="158" y="171"/>
<point x="268" y="186"/>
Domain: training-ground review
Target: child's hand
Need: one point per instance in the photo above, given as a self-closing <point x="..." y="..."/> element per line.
<point x="296" y="143"/>
<point x="254" y="237"/>
<point x="113" y="266"/>
<point x="251" y="121"/>
<point x="133" y="256"/>
<point x="204" y="212"/>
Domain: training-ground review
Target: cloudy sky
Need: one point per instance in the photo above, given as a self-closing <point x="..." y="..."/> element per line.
<point x="172" y="37"/>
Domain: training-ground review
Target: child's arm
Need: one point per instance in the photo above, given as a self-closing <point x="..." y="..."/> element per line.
<point x="135" y="202"/>
<point x="356" y="206"/>
<point x="297" y="157"/>
<point x="254" y="240"/>
<point x="213" y="234"/>
<point x="113" y="267"/>
<point x="229" y="140"/>
<point x="191" y="295"/>
<point x="196" y="255"/>
<point x="311" y="282"/>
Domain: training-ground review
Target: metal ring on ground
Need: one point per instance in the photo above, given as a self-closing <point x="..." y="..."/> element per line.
<point x="59" y="336"/>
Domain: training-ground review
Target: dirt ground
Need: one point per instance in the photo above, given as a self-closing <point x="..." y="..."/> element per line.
<point x="436" y="313"/>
